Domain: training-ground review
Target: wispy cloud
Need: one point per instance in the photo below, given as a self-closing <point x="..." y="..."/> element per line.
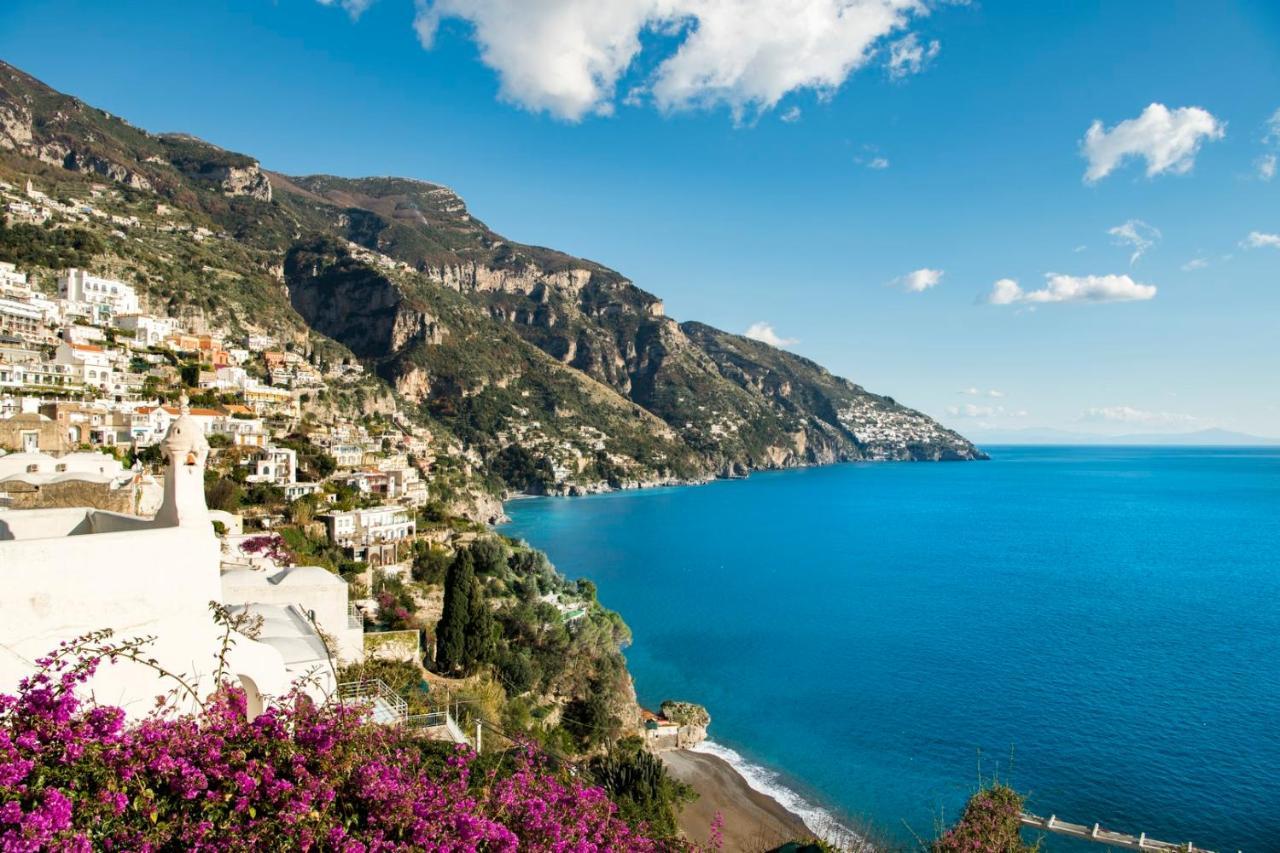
<point x="1167" y="139"/>
<point x="978" y="392"/>
<point x="566" y="57"/>
<point x="1130" y="415"/>
<point x="871" y="158"/>
<point x="918" y="281"/>
<point x="790" y="115"/>
<point x="354" y="8"/>
<point x="1266" y="165"/>
<point x="908" y="55"/>
<point x="1259" y="240"/>
<point x="1195" y="264"/>
<point x="1072" y="288"/>
<point x="764" y="333"/>
<point x="1138" y="235"/>
<point x="973" y="410"/>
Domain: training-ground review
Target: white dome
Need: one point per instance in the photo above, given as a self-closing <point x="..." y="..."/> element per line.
<point x="185" y="435"/>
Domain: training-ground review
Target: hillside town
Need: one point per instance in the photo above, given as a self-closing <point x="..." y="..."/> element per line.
<point x="123" y="421"/>
<point x="135" y="445"/>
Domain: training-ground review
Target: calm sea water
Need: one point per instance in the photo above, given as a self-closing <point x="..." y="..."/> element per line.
<point x="879" y="634"/>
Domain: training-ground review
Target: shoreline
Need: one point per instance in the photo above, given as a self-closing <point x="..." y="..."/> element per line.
<point x="752" y="820"/>
<point x="759" y="810"/>
<point x="814" y="820"/>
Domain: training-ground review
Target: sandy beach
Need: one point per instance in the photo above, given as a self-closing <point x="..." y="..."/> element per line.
<point x="752" y="821"/>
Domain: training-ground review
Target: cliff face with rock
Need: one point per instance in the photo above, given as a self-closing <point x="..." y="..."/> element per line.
<point x="555" y="373"/>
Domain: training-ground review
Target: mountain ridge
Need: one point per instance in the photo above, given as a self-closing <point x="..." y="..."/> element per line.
<point x="556" y="372"/>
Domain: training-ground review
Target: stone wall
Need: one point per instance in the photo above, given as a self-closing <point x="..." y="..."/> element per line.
<point x="69" y="493"/>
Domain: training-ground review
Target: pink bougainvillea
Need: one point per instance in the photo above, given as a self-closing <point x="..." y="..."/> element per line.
<point x="78" y="776"/>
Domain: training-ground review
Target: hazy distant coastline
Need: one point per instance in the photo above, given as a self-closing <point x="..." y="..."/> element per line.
<point x="1198" y="438"/>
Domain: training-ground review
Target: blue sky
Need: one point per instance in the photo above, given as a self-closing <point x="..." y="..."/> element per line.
<point x="794" y="171"/>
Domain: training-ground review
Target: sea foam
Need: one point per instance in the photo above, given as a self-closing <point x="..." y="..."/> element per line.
<point x="820" y="821"/>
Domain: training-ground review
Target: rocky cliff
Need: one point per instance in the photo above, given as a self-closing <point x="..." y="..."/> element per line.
<point x="556" y="373"/>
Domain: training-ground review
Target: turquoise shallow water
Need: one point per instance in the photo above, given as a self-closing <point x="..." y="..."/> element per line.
<point x="1112" y="615"/>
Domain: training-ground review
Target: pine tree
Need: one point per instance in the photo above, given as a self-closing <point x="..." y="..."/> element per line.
<point x="451" y="630"/>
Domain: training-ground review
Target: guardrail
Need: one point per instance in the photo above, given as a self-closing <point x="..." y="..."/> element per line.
<point x="1109" y="837"/>
<point x="355" y="619"/>
<point x="387" y="706"/>
<point x="440" y="720"/>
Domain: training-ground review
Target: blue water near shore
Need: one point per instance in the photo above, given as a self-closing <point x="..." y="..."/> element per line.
<point x="1112" y="615"/>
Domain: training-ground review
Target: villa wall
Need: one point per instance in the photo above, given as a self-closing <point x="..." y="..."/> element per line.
<point x="138" y="582"/>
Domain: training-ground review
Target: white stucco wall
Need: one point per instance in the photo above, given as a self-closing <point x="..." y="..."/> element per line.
<point x="156" y="582"/>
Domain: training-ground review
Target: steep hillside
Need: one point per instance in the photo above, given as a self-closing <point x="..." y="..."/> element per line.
<point x="554" y="372"/>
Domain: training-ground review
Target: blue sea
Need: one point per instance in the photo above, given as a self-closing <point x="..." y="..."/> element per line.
<point x="1098" y="626"/>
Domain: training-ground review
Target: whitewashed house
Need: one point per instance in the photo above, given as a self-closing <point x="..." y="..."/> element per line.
<point x="67" y="572"/>
<point x="79" y="286"/>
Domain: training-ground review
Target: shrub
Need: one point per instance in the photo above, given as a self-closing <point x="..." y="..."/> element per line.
<point x="76" y="776"/>
<point x="990" y="824"/>
<point x="639" y="784"/>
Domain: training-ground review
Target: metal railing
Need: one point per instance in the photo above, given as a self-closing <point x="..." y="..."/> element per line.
<point x="440" y="720"/>
<point x="355" y="619"/>
<point x="387" y="707"/>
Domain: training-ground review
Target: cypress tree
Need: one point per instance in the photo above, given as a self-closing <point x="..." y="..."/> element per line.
<point x="451" y="630"/>
<point x="481" y="645"/>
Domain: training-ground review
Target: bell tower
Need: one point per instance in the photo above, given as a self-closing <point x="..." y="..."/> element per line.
<point x="185" y="451"/>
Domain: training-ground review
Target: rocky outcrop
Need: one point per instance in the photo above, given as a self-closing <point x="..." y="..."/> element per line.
<point x="15" y="128"/>
<point x="77" y="161"/>
<point x="527" y="281"/>
<point x="247" y="181"/>
<point x="355" y="304"/>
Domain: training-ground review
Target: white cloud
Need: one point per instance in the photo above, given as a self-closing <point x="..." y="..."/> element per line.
<point x="1258" y="240"/>
<point x="1272" y="125"/>
<point x="1195" y="264"/>
<point x="909" y="56"/>
<point x="764" y="333"/>
<point x="969" y="410"/>
<point x="972" y="410"/>
<point x="1137" y="234"/>
<point x="354" y="8"/>
<point x="1266" y="166"/>
<point x="566" y="57"/>
<point x="971" y="391"/>
<point x="1080" y="248"/>
<point x="1130" y="415"/>
<point x="1072" y="288"/>
<point x="871" y="158"/>
<point x="918" y="281"/>
<point x="791" y="115"/>
<point x="1167" y="139"/>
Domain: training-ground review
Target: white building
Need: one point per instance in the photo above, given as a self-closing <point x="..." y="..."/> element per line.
<point x="147" y="330"/>
<point x="347" y="455"/>
<point x="151" y="422"/>
<point x="321" y="595"/>
<point x="278" y="465"/>
<point x="10" y="276"/>
<point x="67" y="572"/>
<point x="79" y="286"/>
<point x="244" y="428"/>
<point x="372" y="533"/>
<point x="23" y="320"/>
<point x="89" y="364"/>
